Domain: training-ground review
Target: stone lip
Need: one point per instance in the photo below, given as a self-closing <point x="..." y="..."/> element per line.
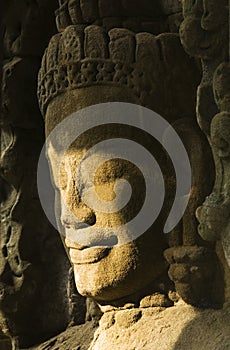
<point x="88" y="255"/>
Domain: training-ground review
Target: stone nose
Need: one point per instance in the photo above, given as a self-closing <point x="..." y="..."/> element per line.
<point x="74" y="212"/>
<point x="79" y="218"/>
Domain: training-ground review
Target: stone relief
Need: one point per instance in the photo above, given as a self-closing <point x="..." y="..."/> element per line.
<point x="123" y="57"/>
<point x="159" y="290"/>
<point x="215" y="213"/>
<point x="213" y="49"/>
<point x="90" y="66"/>
<point x="26" y="237"/>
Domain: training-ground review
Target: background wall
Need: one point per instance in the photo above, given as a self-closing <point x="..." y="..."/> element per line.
<point x="34" y="299"/>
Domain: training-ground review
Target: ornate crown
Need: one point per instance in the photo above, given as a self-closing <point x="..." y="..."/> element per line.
<point x="86" y="56"/>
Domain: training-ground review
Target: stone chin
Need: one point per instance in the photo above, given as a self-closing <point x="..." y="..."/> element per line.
<point x="97" y="287"/>
<point x="124" y="271"/>
<point x="100" y="282"/>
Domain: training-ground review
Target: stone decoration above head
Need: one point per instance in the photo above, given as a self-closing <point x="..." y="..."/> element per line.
<point x="83" y="56"/>
<point x="80" y="57"/>
<point x="145" y="15"/>
<point x="87" y="11"/>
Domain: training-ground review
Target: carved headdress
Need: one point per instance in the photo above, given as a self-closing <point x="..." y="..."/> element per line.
<point x="85" y="54"/>
<point x="81" y="57"/>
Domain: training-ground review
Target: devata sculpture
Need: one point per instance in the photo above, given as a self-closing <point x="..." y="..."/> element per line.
<point x="85" y="65"/>
<point x="155" y="291"/>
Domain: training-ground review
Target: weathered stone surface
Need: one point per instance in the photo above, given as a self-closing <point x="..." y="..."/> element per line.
<point x="95" y="42"/>
<point x="18" y="74"/>
<point x="174" y="22"/>
<point x="170" y="7"/>
<point x="204" y="34"/>
<point x="179" y="327"/>
<point x="156" y="300"/>
<point x="153" y="328"/>
<point x="78" y="337"/>
<point x="200" y="39"/>
<point x="217" y="205"/>
<point x="33" y="264"/>
<point x="28" y="26"/>
<point x="102" y="55"/>
<point x="5" y="342"/>
<point x="134" y="15"/>
<point x="123" y="48"/>
<point x="138" y="63"/>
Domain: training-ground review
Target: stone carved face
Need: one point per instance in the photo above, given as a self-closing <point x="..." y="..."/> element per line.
<point x="103" y="273"/>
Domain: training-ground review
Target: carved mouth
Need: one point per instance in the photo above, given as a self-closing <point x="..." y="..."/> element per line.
<point x="88" y="255"/>
<point x="90" y="237"/>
